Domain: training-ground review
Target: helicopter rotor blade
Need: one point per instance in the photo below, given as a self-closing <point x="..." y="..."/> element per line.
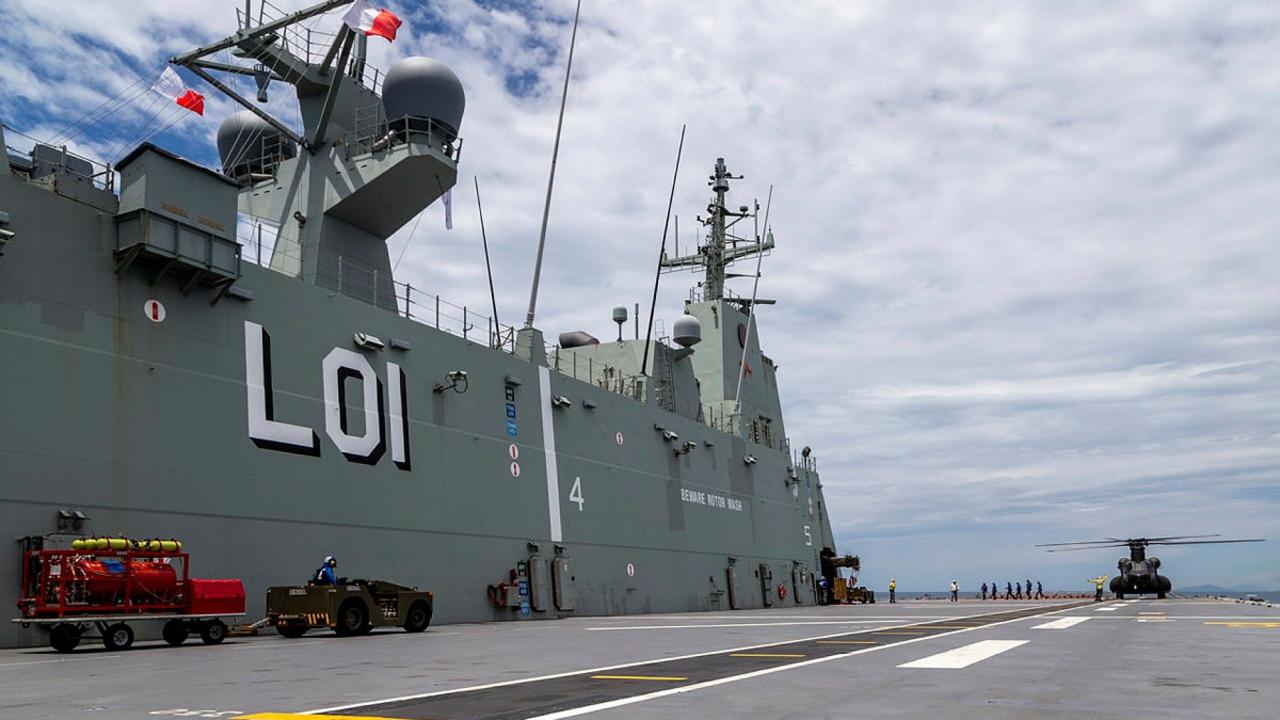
<point x="1179" y="537"/>
<point x="1208" y="542"/>
<point x="1092" y="547"/>
<point x="1108" y="541"/>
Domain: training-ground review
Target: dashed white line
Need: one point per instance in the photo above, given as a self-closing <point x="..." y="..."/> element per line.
<point x="1061" y="623"/>
<point x="963" y="657"/>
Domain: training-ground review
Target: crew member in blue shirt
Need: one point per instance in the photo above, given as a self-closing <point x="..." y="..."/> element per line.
<point x="325" y="575"/>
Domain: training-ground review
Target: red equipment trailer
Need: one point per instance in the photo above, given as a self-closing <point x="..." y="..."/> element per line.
<point x="106" y="583"/>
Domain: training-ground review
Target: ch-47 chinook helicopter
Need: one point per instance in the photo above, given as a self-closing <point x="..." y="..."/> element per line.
<point x="1138" y="572"/>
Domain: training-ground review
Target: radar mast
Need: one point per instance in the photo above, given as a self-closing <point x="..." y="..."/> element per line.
<point x="722" y="248"/>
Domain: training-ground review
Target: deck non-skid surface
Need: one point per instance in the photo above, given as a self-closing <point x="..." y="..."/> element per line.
<point x="557" y="697"/>
<point x="988" y="661"/>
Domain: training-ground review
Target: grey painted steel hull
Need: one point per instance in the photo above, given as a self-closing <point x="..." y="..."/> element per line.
<point x="142" y="425"/>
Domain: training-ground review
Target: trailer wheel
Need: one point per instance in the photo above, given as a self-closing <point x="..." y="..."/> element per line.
<point x="174" y="632"/>
<point x="418" y="617"/>
<point x="213" y="632"/>
<point x="117" y="637"/>
<point x="64" y="637"/>
<point x="353" y="619"/>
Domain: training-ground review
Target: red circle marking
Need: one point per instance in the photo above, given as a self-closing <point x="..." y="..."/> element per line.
<point x="515" y="469"/>
<point x="514" y="452"/>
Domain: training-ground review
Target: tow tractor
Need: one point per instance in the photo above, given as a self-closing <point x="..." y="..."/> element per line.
<point x="352" y="607"/>
<point x="104" y="584"/>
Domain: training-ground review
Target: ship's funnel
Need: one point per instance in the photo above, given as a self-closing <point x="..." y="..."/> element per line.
<point x="422" y="89"/>
<point x="249" y="145"/>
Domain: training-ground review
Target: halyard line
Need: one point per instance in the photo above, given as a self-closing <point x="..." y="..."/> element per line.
<point x="521" y="681"/>
<point x="586" y="709"/>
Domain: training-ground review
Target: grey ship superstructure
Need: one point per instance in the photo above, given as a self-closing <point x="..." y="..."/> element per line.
<point x="224" y="357"/>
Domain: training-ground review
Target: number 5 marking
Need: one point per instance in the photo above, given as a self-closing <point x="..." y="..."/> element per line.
<point x="808" y="539"/>
<point x="575" y="493"/>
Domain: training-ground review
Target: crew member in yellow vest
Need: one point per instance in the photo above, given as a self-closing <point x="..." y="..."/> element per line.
<point x="1098" y="583"/>
<point x="893" y="591"/>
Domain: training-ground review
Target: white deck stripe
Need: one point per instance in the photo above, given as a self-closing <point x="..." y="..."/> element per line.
<point x="963" y="657"/>
<point x="1061" y="623"/>
<point x="549" y="452"/>
<point x="1107" y="609"/>
<point x="904" y="622"/>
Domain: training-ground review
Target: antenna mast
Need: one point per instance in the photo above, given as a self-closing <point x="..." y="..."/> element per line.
<point x="555" y="153"/>
<point x="722" y="248"/>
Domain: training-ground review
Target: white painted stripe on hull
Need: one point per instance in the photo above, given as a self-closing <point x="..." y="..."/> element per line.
<point x="549" y="452"/>
<point x="1061" y="623"/>
<point x="963" y="657"/>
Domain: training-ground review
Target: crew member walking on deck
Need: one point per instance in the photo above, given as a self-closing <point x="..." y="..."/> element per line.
<point x="955" y="591"/>
<point x="1008" y="591"/>
<point x="984" y="591"/>
<point x="325" y="575"/>
<point x="1039" y="591"/>
<point x="995" y="590"/>
<point x="893" y="590"/>
<point x="1028" y="588"/>
<point x="1017" y="593"/>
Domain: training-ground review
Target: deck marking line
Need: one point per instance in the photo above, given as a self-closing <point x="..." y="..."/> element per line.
<point x="1060" y="623"/>
<point x="767" y="655"/>
<point x="897" y="632"/>
<point x="549" y="451"/>
<point x="59" y="660"/>
<point x="619" y="666"/>
<point x="848" y="642"/>
<point x="622" y="702"/>
<point x="727" y="625"/>
<point x="666" y="678"/>
<point x="1151" y="613"/>
<point x="294" y="716"/>
<point x="963" y="657"/>
<point x="1107" y="609"/>
<point x="1246" y="624"/>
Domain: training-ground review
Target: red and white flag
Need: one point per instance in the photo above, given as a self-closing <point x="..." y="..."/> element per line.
<point x="363" y="17"/>
<point x="172" y="87"/>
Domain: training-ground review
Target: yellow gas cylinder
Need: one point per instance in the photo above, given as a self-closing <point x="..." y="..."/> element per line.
<point x="77" y="544"/>
<point x="169" y="545"/>
<point x="118" y="544"/>
<point x="100" y="544"/>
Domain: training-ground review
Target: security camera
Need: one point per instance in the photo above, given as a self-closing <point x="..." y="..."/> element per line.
<point x="455" y="380"/>
<point x="750" y="460"/>
<point x="457" y="375"/>
<point x="561" y="401"/>
<point x="670" y="436"/>
<point x="368" y="342"/>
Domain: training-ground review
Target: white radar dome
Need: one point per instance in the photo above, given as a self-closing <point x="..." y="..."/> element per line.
<point x="687" y="331"/>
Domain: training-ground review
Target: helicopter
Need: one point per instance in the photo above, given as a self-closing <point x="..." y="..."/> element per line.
<point x="1138" y="574"/>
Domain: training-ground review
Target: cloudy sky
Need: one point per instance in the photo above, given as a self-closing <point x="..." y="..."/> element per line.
<point x="1027" y="253"/>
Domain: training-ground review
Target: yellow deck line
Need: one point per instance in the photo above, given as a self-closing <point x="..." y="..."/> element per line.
<point x="897" y="632"/>
<point x="848" y="642"/>
<point x="933" y="627"/>
<point x="660" y="678"/>
<point x="1246" y="624"/>
<point x="766" y="655"/>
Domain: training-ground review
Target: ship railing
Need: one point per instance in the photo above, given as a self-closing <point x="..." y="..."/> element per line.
<point x="358" y="281"/>
<point x="601" y="375"/>
<point x="374" y="133"/>
<point x="38" y="159"/>
<point x="309" y="42"/>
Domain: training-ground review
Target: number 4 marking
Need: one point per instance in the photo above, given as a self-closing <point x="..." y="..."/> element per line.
<point x="575" y="493"/>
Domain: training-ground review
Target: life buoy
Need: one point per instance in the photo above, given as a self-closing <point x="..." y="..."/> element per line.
<point x="782" y="591"/>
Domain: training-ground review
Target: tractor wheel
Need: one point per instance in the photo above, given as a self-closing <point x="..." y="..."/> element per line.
<point x="117" y="637"/>
<point x="418" y="617"/>
<point x="292" y="629"/>
<point x="213" y="632"/>
<point x="64" y="637"/>
<point x="1159" y="596"/>
<point x="175" y="632"/>
<point x="353" y="618"/>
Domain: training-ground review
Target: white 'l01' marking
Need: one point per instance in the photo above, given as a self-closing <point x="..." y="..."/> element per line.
<point x="1060" y="624"/>
<point x="549" y="452"/>
<point x="963" y="657"/>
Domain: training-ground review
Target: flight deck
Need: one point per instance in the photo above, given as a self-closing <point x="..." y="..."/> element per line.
<point x="1050" y="659"/>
